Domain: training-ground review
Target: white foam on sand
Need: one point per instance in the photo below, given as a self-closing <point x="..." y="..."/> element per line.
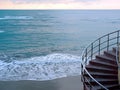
<point x="16" y="17"/>
<point x="41" y="68"/>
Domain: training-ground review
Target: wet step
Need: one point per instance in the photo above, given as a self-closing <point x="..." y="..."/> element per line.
<point x="98" y="62"/>
<point x="110" y="54"/>
<point x="105" y="58"/>
<point x="101" y="69"/>
<point x="109" y="87"/>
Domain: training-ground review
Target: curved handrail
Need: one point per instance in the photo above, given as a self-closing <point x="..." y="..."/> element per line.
<point x="90" y="52"/>
<point x="95" y="80"/>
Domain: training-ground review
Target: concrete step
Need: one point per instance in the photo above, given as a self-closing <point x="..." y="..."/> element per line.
<point x="101" y="69"/>
<point x="98" y="62"/>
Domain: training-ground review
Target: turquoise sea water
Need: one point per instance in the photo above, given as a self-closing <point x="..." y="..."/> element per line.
<point x="47" y="44"/>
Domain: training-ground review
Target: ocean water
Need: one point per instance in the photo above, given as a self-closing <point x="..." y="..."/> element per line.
<point x="47" y="44"/>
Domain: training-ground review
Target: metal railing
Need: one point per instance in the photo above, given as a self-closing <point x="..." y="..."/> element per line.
<point x="104" y="43"/>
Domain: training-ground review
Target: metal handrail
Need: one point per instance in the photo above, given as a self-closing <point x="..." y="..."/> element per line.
<point x="95" y="80"/>
<point x="89" y="54"/>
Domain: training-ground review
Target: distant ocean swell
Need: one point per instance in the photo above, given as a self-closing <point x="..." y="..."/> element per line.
<point x="40" y="68"/>
<point x="2" y="31"/>
<point x="16" y="17"/>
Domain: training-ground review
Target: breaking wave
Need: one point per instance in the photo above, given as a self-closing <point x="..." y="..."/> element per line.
<point x="16" y="17"/>
<point x="40" y="68"/>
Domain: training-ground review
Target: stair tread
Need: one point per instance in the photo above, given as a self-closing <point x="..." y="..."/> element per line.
<point x="100" y="68"/>
<point x="104" y="80"/>
<point x="105" y="57"/>
<point x="110" y="86"/>
<point x="100" y="74"/>
<point x="107" y="80"/>
<point x="107" y="86"/>
<point x="111" y="52"/>
<point x="103" y="63"/>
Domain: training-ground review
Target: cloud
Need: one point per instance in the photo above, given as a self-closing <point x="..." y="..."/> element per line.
<point x="41" y="1"/>
<point x="85" y="0"/>
<point x="50" y="1"/>
<point x="59" y="4"/>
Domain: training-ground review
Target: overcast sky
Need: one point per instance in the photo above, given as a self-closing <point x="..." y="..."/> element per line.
<point x="59" y="4"/>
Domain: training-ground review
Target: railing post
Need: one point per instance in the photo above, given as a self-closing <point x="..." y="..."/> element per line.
<point x="90" y="85"/>
<point x="91" y="51"/>
<point x="117" y="38"/>
<point x="108" y="42"/>
<point x="85" y="55"/>
<point x="99" y="46"/>
<point x="81" y="72"/>
<point x="84" y="83"/>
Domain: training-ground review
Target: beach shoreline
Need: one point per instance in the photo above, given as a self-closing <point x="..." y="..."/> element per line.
<point x="66" y="83"/>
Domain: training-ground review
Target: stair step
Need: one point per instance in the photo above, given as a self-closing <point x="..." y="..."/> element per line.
<point x="110" y="87"/>
<point x="97" y="87"/>
<point x="110" y="54"/>
<point x="114" y="49"/>
<point x="101" y="75"/>
<point x="97" y="62"/>
<point x="113" y="87"/>
<point x="106" y="59"/>
<point x="103" y="82"/>
<point x="107" y="80"/>
<point x="101" y="69"/>
<point x="104" y="78"/>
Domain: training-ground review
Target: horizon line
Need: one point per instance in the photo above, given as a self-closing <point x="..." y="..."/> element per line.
<point x="59" y="9"/>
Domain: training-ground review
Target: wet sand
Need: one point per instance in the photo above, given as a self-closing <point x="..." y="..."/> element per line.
<point x="67" y="83"/>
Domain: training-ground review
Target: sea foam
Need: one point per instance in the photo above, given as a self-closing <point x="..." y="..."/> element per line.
<point x="40" y="68"/>
<point x="16" y="17"/>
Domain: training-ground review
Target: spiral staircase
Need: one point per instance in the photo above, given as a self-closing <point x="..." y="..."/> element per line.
<point x="100" y="62"/>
